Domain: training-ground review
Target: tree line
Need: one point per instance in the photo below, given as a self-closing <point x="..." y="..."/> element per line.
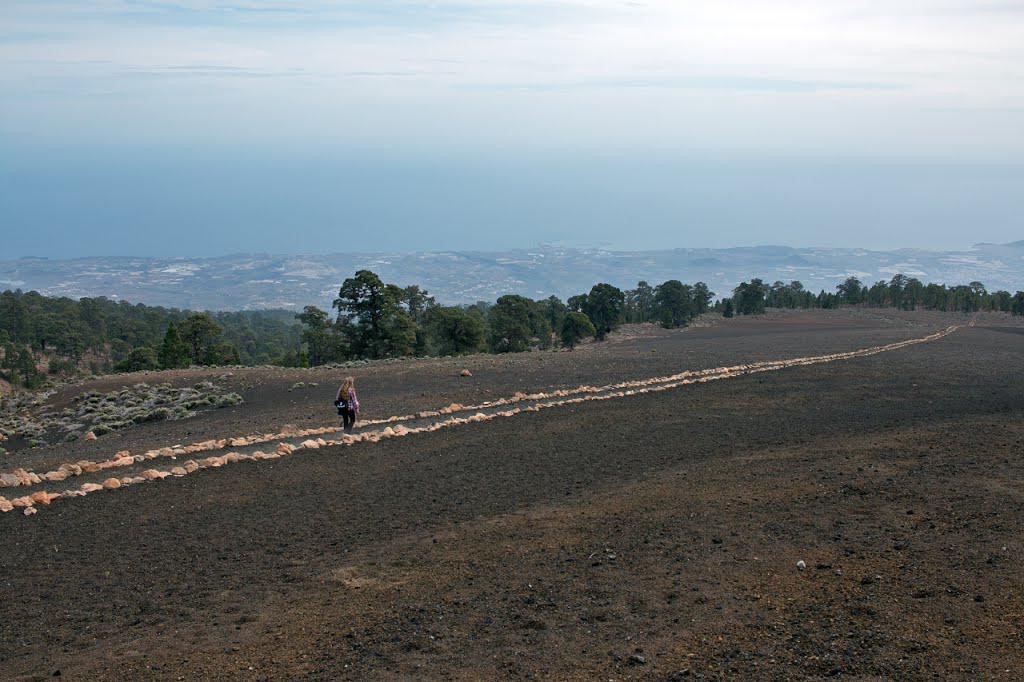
<point x="374" y="319"/>
<point x="905" y="293"/>
<point x="371" y="319"/>
<point x="99" y="335"/>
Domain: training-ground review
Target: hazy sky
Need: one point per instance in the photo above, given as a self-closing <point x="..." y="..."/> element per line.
<point x="201" y="127"/>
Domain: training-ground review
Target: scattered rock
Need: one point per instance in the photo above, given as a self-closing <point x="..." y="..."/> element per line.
<point x="5" y="505"/>
<point x="112" y="483"/>
<point x="89" y="435"/>
<point x="638" y="659"/>
<point x="465" y="373"/>
<point x="29" y="511"/>
<point x="801" y="565"/>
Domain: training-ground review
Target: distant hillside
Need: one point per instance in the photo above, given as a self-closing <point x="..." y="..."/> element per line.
<point x="247" y="281"/>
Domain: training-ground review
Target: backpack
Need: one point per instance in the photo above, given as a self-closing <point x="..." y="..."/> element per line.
<point x="342" y="406"/>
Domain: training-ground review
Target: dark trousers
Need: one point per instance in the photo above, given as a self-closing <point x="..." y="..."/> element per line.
<point x="348" y="419"/>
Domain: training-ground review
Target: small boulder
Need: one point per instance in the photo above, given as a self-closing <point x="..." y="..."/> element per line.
<point x="29" y="511"/>
<point x="151" y="474"/>
<point x="89" y="435"/>
<point x="112" y="483"/>
<point x="465" y="373"/>
<point x="9" y="481"/>
<point x="5" y="505"/>
<point x="179" y="471"/>
<point x="41" y="497"/>
<point x="90" y="488"/>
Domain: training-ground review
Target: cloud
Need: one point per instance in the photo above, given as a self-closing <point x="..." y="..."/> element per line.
<point x="872" y="60"/>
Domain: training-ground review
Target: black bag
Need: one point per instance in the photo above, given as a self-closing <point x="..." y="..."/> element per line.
<point x="342" y="406"/>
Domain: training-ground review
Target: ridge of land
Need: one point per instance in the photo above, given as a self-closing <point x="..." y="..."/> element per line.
<point x="261" y="281"/>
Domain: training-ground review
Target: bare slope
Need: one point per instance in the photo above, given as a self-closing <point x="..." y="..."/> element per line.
<point x="651" y="536"/>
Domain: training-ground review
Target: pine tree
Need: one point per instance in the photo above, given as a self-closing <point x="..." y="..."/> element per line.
<point x="174" y="352"/>
<point x="10" y="357"/>
<point x="575" y="327"/>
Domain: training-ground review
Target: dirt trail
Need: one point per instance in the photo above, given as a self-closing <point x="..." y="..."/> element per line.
<point x="132" y="470"/>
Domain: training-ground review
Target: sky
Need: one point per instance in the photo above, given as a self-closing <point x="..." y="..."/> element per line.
<point x="203" y="127"/>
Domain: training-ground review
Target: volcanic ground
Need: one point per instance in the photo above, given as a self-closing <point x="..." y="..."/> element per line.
<point x="801" y="495"/>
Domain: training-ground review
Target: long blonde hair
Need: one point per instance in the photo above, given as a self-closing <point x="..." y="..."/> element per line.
<point x="348" y="383"/>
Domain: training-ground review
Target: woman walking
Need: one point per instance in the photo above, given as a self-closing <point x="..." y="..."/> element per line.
<point x="348" y="403"/>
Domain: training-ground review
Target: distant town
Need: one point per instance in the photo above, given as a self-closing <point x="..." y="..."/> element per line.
<point x="263" y="281"/>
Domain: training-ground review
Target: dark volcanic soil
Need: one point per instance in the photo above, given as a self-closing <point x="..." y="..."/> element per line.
<point x="655" y="536"/>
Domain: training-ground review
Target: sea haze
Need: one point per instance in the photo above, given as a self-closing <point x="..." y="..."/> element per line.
<point x="80" y="200"/>
<point x="260" y="281"/>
